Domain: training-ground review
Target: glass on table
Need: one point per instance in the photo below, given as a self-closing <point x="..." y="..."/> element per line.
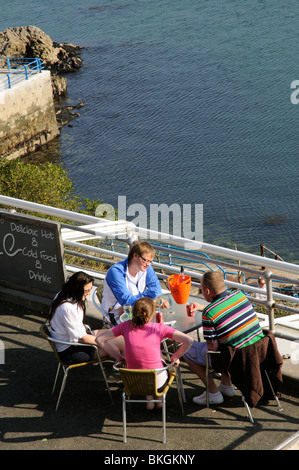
<point x="127" y="315"/>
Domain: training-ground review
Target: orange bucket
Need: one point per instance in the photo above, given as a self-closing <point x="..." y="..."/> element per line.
<point x="180" y="287"/>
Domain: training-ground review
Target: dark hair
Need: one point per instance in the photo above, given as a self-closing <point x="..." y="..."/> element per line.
<point x="139" y="248"/>
<point x="72" y="290"/>
<point x="143" y="311"/>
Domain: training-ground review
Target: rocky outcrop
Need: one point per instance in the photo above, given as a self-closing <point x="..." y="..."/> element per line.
<point x="65" y="114"/>
<point x="30" y="41"/>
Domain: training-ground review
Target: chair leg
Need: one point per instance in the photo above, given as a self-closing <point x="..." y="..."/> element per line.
<point x="164" y="417"/>
<point x="207" y="393"/>
<point x="166" y="350"/>
<point x="272" y="390"/>
<point x="62" y="387"/>
<point x="179" y="375"/>
<point x="181" y="392"/>
<point x="274" y="395"/>
<point x="106" y="381"/>
<point x="207" y="376"/>
<point x="207" y="381"/>
<point x="124" y="418"/>
<point x="248" y="410"/>
<point x="56" y="377"/>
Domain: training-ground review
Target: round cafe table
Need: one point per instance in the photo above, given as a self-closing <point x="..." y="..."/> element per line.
<point x="176" y="314"/>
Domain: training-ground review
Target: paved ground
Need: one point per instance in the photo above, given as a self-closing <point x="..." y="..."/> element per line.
<point x="87" y="421"/>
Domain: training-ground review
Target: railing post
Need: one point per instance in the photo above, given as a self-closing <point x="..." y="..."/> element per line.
<point x="8" y="79"/>
<point x="270" y="303"/>
<point x="26" y="72"/>
<point x="8" y="63"/>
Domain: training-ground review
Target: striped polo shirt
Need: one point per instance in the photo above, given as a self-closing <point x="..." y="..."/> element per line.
<point x="231" y="319"/>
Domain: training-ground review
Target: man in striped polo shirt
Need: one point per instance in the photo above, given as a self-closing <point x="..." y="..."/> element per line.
<point x="229" y="319"/>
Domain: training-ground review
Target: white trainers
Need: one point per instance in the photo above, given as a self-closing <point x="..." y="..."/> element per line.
<point x="227" y="390"/>
<point x="214" y="398"/>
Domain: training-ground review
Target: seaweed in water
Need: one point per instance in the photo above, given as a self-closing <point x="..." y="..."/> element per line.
<point x="276" y="219"/>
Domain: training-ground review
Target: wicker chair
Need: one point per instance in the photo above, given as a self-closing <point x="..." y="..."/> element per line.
<point x="44" y="331"/>
<point x="139" y="383"/>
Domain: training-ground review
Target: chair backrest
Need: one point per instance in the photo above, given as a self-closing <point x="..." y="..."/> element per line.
<point x="99" y="292"/>
<point x="138" y="381"/>
<point x="45" y="333"/>
<point x="144" y="381"/>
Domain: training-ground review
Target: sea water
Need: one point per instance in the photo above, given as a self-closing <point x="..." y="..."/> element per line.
<point x="187" y="103"/>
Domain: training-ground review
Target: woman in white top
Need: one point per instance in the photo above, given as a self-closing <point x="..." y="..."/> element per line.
<point x="67" y="323"/>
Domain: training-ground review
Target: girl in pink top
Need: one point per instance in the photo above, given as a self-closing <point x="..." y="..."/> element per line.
<point x="143" y="340"/>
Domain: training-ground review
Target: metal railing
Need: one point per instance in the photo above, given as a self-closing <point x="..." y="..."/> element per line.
<point x="198" y="258"/>
<point x="18" y="69"/>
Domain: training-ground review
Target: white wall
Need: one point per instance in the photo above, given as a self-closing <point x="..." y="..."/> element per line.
<point x="27" y="116"/>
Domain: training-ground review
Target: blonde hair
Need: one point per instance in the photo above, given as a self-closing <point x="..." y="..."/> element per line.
<point x="143" y="311"/>
<point x="214" y="281"/>
<point x="140" y="248"/>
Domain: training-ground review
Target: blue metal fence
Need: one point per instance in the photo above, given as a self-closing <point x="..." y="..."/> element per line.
<point x="18" y="69"/>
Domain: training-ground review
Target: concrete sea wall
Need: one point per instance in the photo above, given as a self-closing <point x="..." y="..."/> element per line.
<point x="27" y="116"/>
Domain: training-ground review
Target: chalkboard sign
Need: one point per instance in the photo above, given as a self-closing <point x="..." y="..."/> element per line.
<point x="31" y="254"/>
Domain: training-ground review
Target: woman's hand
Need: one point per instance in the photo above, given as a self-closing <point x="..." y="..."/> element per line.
<point x="174" y="361"/>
